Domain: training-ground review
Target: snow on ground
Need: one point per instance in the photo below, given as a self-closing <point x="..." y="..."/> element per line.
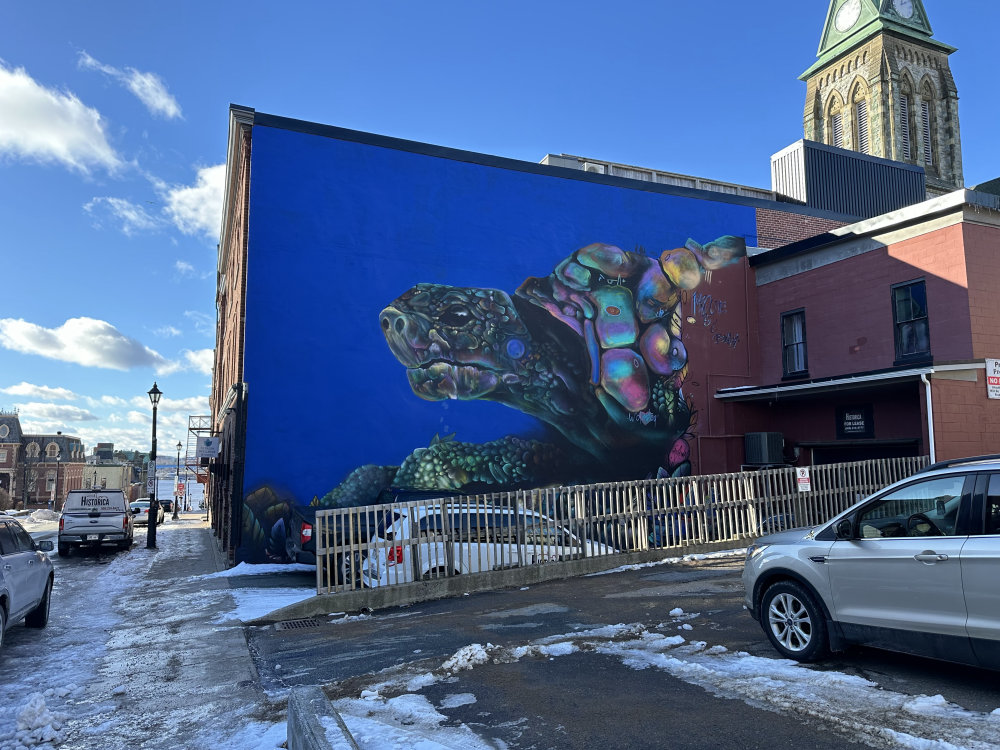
<point x="248" y="569"/>
<point x="860" y="709"/>
<point x="131" y="658"/>
<point x="696" y="557"/>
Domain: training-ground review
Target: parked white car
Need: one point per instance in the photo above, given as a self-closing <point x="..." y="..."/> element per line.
<point x="25" y="577"/>
<point x="433" y="541"/>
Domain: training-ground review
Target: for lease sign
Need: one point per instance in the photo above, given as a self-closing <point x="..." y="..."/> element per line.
<point x="993" y="378"/>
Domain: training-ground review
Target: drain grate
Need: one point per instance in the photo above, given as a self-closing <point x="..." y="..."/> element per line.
<point x="296" y="624"/>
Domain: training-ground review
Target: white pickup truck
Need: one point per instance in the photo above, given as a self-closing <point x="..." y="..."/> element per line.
<point x="95" y="517"/>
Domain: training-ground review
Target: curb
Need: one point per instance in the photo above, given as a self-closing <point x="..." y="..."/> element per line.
<point x="305" y="730"/>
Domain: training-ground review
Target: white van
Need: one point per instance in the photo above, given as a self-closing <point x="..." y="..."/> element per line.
<point x="434" y="541"/>
<point x="95" y="517"/>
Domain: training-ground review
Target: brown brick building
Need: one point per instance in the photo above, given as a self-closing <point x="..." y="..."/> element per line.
<point x="874" y="338"/>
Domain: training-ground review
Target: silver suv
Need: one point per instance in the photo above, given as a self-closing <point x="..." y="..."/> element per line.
<point x="25" y="577"/>
<point x="912" y="568"/>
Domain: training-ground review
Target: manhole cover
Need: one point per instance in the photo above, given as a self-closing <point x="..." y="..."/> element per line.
<point x="296" y="624"/>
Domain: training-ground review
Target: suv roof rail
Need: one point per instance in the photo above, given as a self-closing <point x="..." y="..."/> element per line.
<point x="960" y="462"/>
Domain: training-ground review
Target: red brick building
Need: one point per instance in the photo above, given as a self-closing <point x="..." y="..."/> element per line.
<point x="874" y="338"/>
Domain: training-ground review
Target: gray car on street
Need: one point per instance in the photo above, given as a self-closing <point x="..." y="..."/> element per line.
<point x="913" y="568"/>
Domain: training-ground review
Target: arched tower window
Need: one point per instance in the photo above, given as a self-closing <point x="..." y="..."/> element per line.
<point x="859" y="100"/>
<point x="927" y="123"/>
<point x="51" y="450"/>
<point x="835" y="121"/>
<point x="32" y="450"/>
<point x="906" y="119"/>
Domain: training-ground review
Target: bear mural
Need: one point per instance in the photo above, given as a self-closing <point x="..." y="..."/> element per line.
<point x="593" y="351"/>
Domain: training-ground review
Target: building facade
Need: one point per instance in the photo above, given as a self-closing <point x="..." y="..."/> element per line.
<point x="36" y="471"/>
<point x="874" y="339"/>
<point x="458" y="322"/>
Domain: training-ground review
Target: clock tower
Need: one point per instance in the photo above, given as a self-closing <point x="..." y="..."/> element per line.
<point x="881" y="85"/>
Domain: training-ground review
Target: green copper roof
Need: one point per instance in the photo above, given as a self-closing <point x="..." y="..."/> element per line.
<point x="850" y="23"/>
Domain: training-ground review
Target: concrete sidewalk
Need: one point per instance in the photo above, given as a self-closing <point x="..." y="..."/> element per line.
<point x="177" y="645"/>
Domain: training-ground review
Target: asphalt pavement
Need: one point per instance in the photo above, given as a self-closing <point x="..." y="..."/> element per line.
<point x="586" y="699"/>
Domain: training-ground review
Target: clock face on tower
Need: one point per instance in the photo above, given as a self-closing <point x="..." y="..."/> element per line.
<point x="847" y="15"/>
<point x="903" y="7"/>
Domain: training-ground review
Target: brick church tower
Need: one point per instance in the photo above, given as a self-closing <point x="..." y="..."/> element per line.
<point x="882" y="86"/>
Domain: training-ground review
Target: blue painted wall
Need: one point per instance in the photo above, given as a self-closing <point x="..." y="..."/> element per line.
<point x="339" y="229"/>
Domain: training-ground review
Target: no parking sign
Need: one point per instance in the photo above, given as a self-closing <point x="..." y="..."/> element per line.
<point x="802" y="476"/>
<point x="993" y="378"/>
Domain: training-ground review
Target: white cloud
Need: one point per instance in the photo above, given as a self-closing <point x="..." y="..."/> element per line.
<point x="185" y="406"/>
<point x="168" y="332"/>
<point x="184" y="268"/>
<point x="197" y="209"/>
<point x="201" y="360"/>
<point x="53" y="413"/>
<point x="124" y="438"/>
<point x="203" y="324"/>
<point x="40" y="391"/>
<point x="147" y="87"/>
<point x="105" y="401"/>
<point x="47" y="126"/>
<point x="83" y="341"/>
<point x="139" y="417"/>
<point x="133" y="218"/>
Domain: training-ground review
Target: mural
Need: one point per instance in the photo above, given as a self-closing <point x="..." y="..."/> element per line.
<point x="593" y="350"/>
<point x="374" y="372"/>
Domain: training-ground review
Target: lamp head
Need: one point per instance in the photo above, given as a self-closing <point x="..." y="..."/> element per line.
<point x="154" y="394"/>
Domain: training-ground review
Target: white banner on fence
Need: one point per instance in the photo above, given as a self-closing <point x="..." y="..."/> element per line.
<point x="802" y="477"/>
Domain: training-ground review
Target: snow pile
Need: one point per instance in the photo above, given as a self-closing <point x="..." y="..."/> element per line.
<point x="248" y="569"/>
<point x="37" y="726"/>
<point x="467" y="658"/>
<point x="407" y="721"/>
<point x="698" y="557"/>
<point x="42" y="516"/>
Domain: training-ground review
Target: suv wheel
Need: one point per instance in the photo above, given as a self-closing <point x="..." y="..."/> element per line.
<point x="794" y="623"/>
<point x="39" y="616"/>
<point x="63" y="549"/>
<point x="3" y="624"/>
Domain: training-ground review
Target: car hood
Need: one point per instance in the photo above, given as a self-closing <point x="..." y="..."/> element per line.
<point x="790" y="536"/>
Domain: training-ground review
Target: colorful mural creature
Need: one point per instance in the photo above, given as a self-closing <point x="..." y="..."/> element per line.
<point x="593" y="350"/>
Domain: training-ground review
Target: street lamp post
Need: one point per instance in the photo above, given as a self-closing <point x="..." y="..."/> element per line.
<point x="154" y="507"/>
<point x="177" y="482"/>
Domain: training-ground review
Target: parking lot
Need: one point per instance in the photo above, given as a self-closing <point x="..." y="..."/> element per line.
<point x="575" y="663"/>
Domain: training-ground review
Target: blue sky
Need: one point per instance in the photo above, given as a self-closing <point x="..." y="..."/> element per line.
<point x="113" y="127"/>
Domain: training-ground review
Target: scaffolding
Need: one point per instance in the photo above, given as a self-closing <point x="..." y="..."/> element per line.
<point x="198" y="427"/>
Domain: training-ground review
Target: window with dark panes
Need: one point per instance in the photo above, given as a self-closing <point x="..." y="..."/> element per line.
<point x="7" y="544"/>
<point x="793" y="342"/>
<point x="909" y="309"/>
<point x="993" y="506"/>
<point x="22" y="538"/>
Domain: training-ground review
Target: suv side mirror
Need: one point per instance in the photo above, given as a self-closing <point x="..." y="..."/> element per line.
<point x="46" y="545"/>
<point x="845" y="529"/>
